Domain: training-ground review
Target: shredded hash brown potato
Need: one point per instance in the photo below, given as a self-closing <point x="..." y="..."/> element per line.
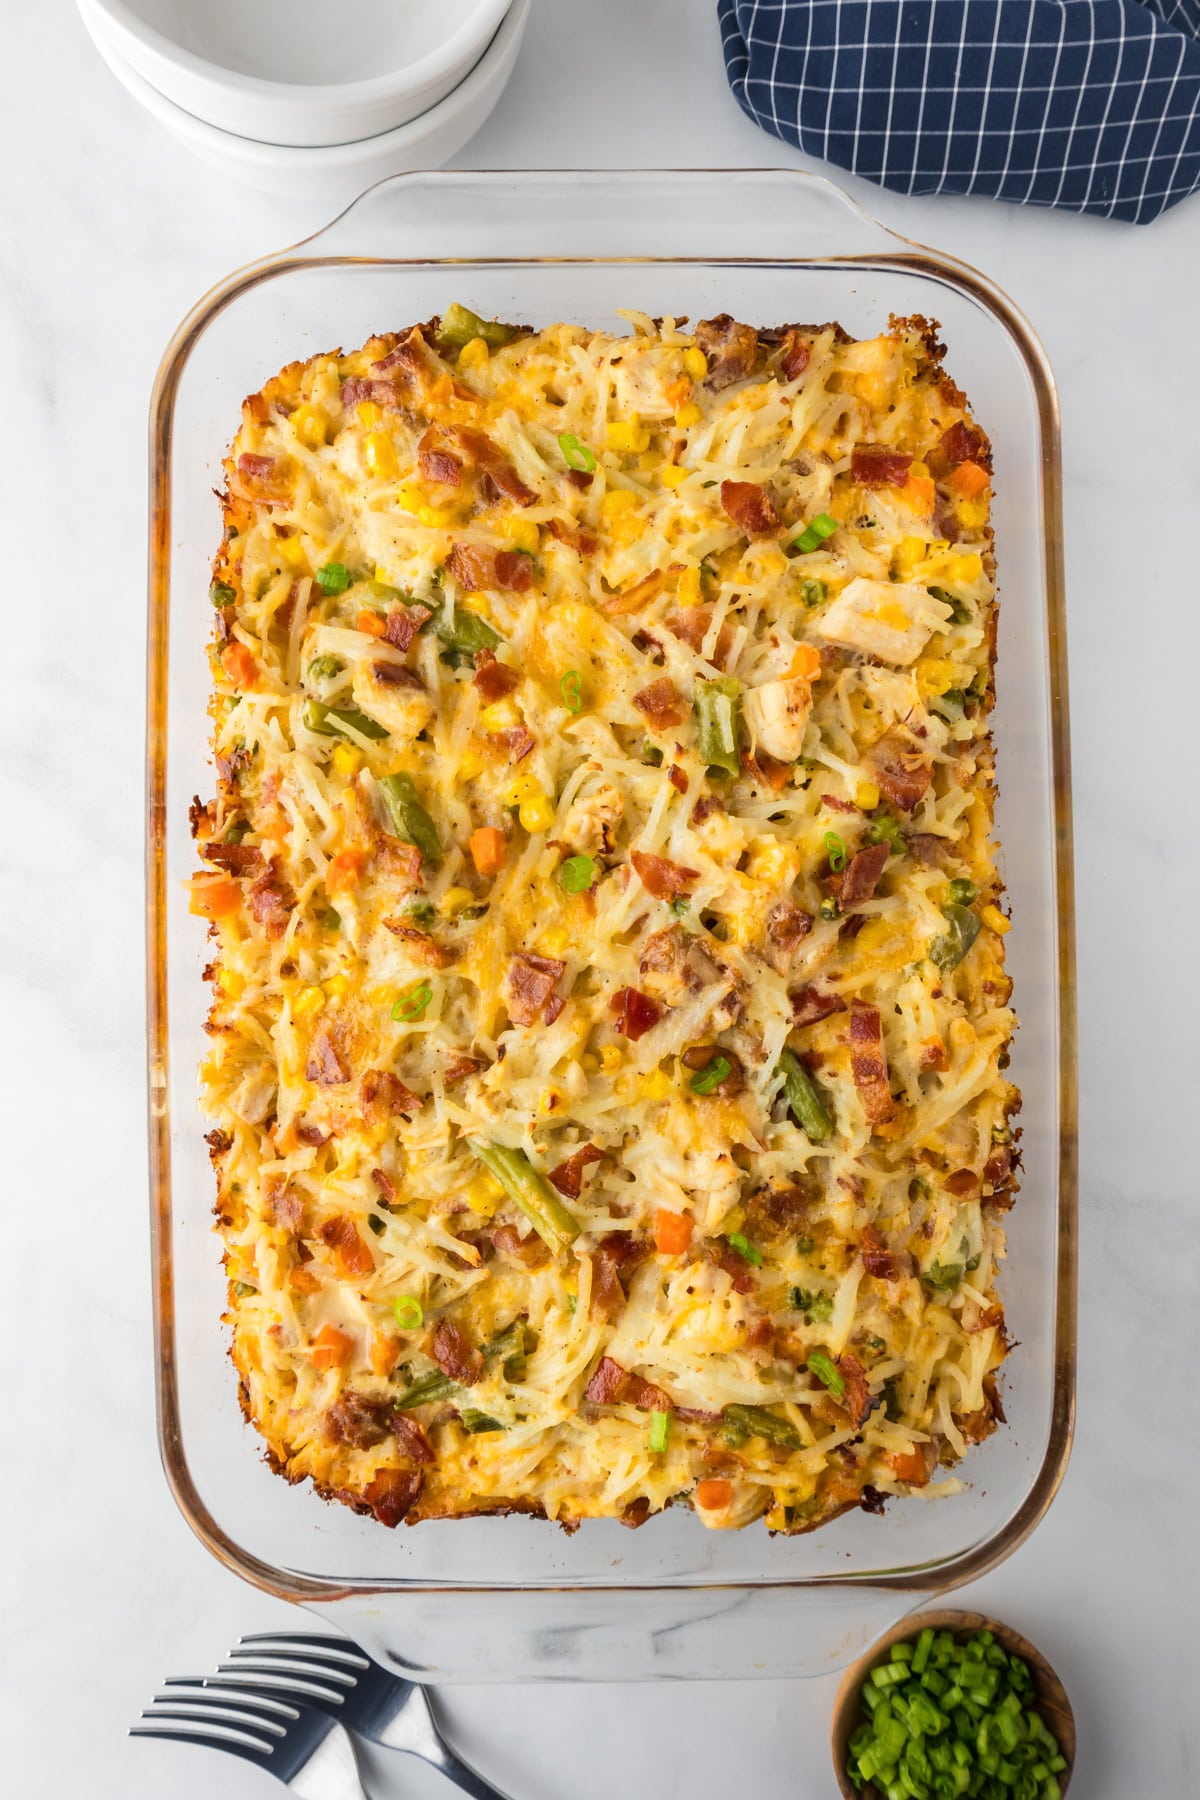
<point x="609" y="1014"/>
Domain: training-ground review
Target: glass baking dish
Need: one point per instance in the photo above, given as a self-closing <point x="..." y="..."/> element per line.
<point x="514" y="1598"/>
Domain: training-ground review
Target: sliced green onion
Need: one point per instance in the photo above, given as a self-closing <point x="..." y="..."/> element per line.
<point x="413" y="1004"/>
<point x="660" y="1432"/>
<point x="410" y="1314"/>
<point x="708" y="1079"/>
<point x="475" y="1421"/>
<point x="576" y="455"/>
<point x="826" y="1372"/>
<point x="571" y="689"/>
<point x="836" y="851"/>
<point x="221" y="594"/>
<point x="814" y="533"/>
<point x="577" y="874"/>
<point x="746" y="1249"/>
<point x="332" y="721"/>
<point x="333" y="578"/>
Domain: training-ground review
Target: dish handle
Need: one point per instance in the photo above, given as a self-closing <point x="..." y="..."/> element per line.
<point x="637" y="214"/>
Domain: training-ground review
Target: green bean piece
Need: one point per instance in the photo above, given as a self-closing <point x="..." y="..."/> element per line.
<point x="408" y="817"/>
<point x="816" y="1305"/>
<point x="426" y="1390"/>
<point x="463" y="631"/>
<point x="475" y="1421"/>
<point x="554" y="1223"/>
<point x="717" y="722"/>
<point x="510" y="1348"/>
<point x="803" y="1097"/>
<point x="458" y="325"/>
<point x="948" y="951"/>
<point x="330" y="721"/>
<point x="758" y="1421"/>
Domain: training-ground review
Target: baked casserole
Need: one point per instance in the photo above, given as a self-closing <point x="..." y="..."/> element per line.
<point x="609" y="1013"/>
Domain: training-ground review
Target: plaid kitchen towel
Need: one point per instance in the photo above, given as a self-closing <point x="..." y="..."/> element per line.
<point x="1093" y="105"/>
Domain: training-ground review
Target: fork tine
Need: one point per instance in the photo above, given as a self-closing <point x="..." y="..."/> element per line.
<point x="288" y="1683"/>
<point x="236" y="1695"/>
<point x="219" y="1712"/>
<point x="215" y="1737"/>
<point x="302" y="1641"/>
<point x="309" y="1661"/>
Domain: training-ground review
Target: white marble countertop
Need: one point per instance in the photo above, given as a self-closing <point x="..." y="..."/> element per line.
<point x="110" y="232"/>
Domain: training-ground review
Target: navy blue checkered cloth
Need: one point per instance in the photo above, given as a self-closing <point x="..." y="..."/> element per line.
<point x="1092" y="105"/>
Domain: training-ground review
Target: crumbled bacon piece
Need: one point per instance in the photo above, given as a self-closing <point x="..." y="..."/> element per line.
<point x="705" y="807"/>
<point x="238" y="859"/>
<point x="875" y="466"/>
<point x="529" y="1251"/>
<point x="661" y="703"/>
<point x="422" y="946"/>
<point x="459" y="1068"/>
<point x="379" y="393"/>
<point x="664" y="879"/>
<point x="868" y="1064"/>
<point x="856" y="1401"/>
<point x="493" y="679"/>
<point x="926" y="847"/>
<point x="961" y="1183"/>
<point x="900" y="770"/>
<point x="352" y="1255"/>
<point x="582" y="542"/>
<point x="699" y="1056"/>
<point x="529" y="985"/>
<point x="751" y="507"/>
<point x="360" y="1420"/>
<point x="809" y="1004"/>
<point x="480" y="450"/>
<point x="383" y="1095"/>
<point x="692" y="627"/>
<point x="734" y="1264"/>
<point x="282" y="1204"/>
<point x="311" y="1135"/>
<point x="412" y="1438"/>
<point x="611" y="1385"/>
<point x="731" y="349"/>
<point x="787" y="926"/>
<point x="858" y="879"/>
<point x="403" y="624"/>
<point x="959" y="443"/>
<point x="677" y="778"/>
<point x="776" y="1211"/>
<point x="568" y="1176"/>
<point x="518" y="741"/>
<point x="998" y="1168"/>
<point x="636" y="1012"/>
<point x="326" y="1064"/>
<point x="796" y="351"/>
<point x="476" y="566"/>
<point x="385" y="1184"/>
<point x="455" y="1354"/>
<point x="392" y="1493"/>
<point x="837" y="804"/>
<point x="768" y="769"/>
<point x="878" y="1260"/>
<point x="436" y="464"/>
<point x="271" y="900"/>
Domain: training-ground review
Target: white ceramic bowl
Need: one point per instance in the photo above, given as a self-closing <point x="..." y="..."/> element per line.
<point x="337" y="172"/>
<point x="302" y="72"/>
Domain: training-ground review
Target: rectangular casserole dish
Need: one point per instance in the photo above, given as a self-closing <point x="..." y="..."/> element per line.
<point x="671" y="1599"/>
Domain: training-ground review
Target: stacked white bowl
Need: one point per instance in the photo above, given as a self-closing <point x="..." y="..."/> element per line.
<point x="301" y="97"/>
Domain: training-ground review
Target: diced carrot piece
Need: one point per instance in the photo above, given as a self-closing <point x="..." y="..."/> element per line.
<point x="488" y="848"/>
<point x="910" y="1465"/>
<point x="214" y="899"/>
<point x="344" y="870"/>
<point x="331" y="1348"/>
<point x="303" y="1281"/>
<point x="239" y="664"/>
<point x="920" y="491"/>
<point x="968" y="480"/>
<point x="806" y="662"/>
<point x="371" y="623"/>
<point x="672" y="1232"/>
<point x="714" y="1495"/>
<point x="385" y="1352"/>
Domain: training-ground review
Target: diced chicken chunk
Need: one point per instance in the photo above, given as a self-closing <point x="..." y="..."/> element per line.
<point x="777" y="714"/>
<point x="891" y="620"/>
<point x="403" y="707"/>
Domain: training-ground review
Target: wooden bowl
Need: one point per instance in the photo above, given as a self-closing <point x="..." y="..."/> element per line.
<point x="1050" y="1696"/>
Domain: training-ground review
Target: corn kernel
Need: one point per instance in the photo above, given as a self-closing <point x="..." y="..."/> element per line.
<point x="381" y="576"/>
<point x="658" y="1086"/>
<point x="688" y="415"/>
<point x="308" y="1001"/>
<point x="291" y="553"/>
<point x="311" y="426"/>
<point x="909" y="553"/>
<point x="617" y="500"/>
<point x="470" y="763"/>
<point x="335" y="987"/>
<point x="589" y="1063"/>
<point x="995" y="919"/>
<point x="688" y="590"/>
<point x="521" y="788"/>
<point x="672" y="476"/>
<point x="476" y="603"/>
<point x="475" y="354"/>
<point x="455" y="898"/>
<point x="972" y="513"/>
<point x="627" y="434"/>
<point x="964" y="568"/>
<point x="695" y="362"/>
<point x="368" y="413"/>
<point x="552" y="1101"/>
<point x="348" y="759"/>
<point x="919" y="468"/>
<point x="866" y="795"/>
<point x="522" y="533"/>
<point x="381" y="455"/>
<point x="936" y="675"/>
<point x="231" y="984"/>
<point x="610" y="1059"/>
<point x="501" y="715"/>
<point x="556" y="941"/>
<point x="536" y="813"/>
<point x="483" y="1195"/>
